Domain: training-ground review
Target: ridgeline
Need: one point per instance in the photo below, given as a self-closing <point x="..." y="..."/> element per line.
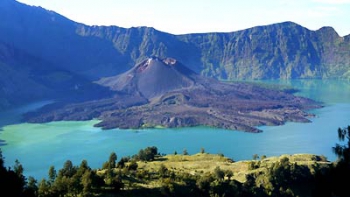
<point x="62" y="48"/>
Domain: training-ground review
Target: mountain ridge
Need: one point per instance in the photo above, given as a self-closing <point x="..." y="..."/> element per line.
<point x="31" y="79"/>
<point x="278" y="51"/>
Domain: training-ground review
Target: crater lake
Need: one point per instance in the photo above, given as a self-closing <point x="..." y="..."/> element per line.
<point x="39" y="146"/>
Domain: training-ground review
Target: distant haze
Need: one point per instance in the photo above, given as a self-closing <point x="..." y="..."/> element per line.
<point x="194" y="16"/>
<point x="44" y="55"/>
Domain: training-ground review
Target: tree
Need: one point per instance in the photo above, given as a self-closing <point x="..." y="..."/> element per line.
<point x="18" y="170"/>
<point x="250" y="181"/>
<point x="52" y="174"/>
<point x="147" y="154"/>
<point x="202" y="150"/>
<point x="87" y="182"/>
<point x="83" y="168"/>
<point x="84" y="165"/>
<point x="142" y="155"/>
<point x="343" y="151"/>
<point x="2" y="160"/>
<point x="203" y="183"/>
<point x="32" y="189"/>
<point x="255" y="156"/>
<point x="152" y="149"/>
<point x="219" y="174"/>
<point x="342" y="169"/>
<point x="68" y="169"/>
<point x="12" y="182"/>
<point x="185" y="152"/>
<point x="112" y="160"/>
<point x="132" y="165"/>
<point x="281" y="173"/>
<point x="44" y="188"/>
<point x="123" y="160"/>
<point x="74" y="184"/>
<point x="330" y="182"/>
<point x="229" y="174"/>
<point x="162" y="170"/>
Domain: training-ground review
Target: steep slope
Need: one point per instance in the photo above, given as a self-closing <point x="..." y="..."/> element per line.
<point x="283" y="50"/>
<point x="166" y="93"/>
<point x="52" y="37"/>
<point x="57" y="44"/>
<point x="138" y="43"/>
<point x="25" y="79"/>
<point x="151" y="78"/>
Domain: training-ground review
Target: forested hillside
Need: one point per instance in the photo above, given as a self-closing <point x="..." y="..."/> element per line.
<point x="150" y="173"/>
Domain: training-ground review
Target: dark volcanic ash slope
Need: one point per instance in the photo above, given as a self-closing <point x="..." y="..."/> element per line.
<point x="163" y="92"/>
<point x="151" y="78"/>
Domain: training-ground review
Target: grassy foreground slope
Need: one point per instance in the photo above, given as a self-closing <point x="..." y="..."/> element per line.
<point x="204" y="164"/>
<point x="148" y="173"/>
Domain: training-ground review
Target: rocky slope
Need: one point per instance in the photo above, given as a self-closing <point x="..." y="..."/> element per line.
<point x="163" y="92"/>
<point x="152" y="77"/>
<point x="283" y="50"/>
<point x="25" y="78"/>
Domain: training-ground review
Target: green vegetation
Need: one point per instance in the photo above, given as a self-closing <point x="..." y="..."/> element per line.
<point x="278" y="51"/>
<point x="150" y="174"/>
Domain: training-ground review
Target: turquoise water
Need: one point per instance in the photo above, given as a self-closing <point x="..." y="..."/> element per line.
<point x="13" y="116"/>
<point x="38" y="146"/>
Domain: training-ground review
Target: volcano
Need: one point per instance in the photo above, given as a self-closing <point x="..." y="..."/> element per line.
<point x="164" y="92"/>
<point x="152" y="77"/>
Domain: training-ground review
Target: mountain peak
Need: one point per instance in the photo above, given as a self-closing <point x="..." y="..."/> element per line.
<point x="167" y="61"/>
<point x="155" y="61"/>
<point x="152" y="77"/>
<point x="330" y="31"/>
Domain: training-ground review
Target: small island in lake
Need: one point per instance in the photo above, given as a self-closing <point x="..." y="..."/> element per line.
<point x="164" y="92"/>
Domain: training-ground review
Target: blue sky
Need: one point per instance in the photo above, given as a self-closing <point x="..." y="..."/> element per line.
<point x="194" y="16"/>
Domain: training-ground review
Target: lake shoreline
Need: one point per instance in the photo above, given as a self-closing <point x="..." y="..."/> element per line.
<point x="60" y="141"/>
